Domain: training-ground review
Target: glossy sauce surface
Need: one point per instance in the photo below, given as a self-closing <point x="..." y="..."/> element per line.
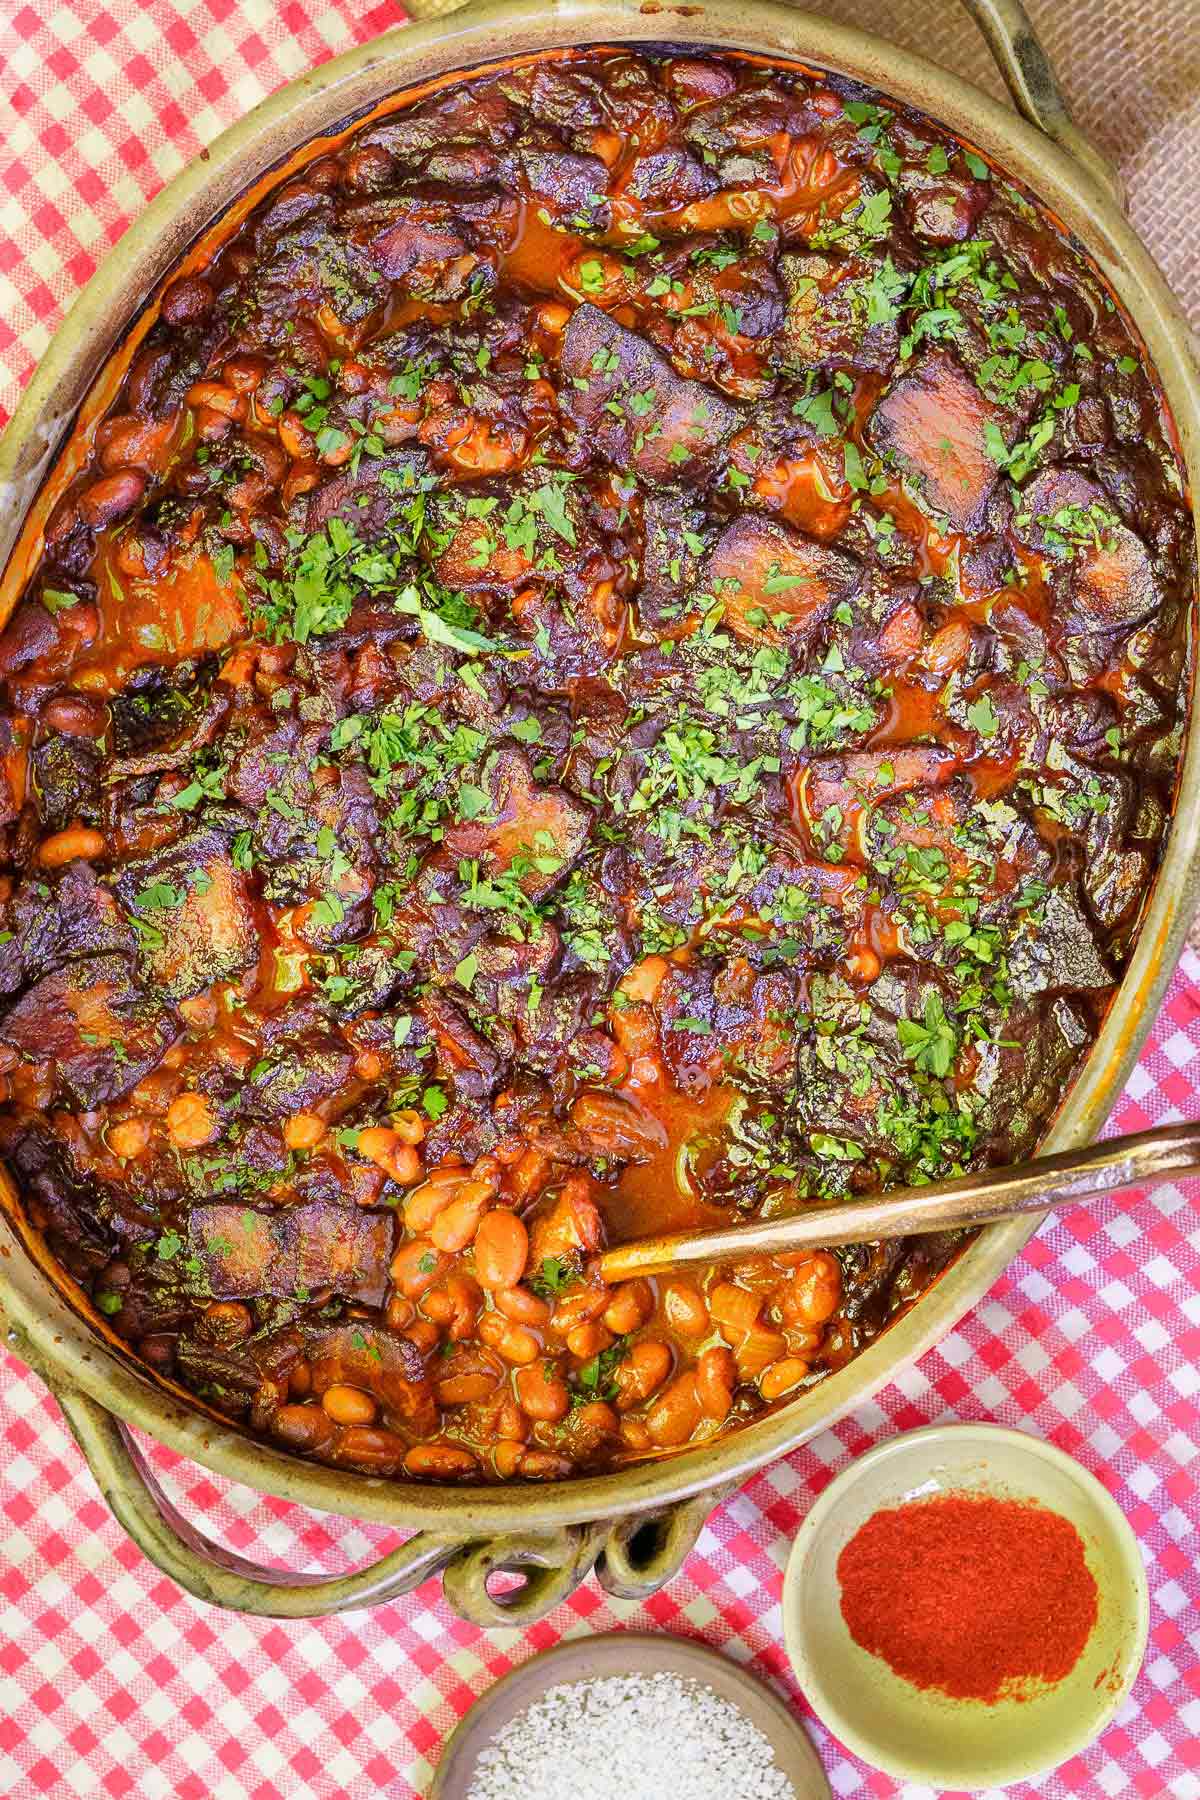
<point x="615" y="663"/>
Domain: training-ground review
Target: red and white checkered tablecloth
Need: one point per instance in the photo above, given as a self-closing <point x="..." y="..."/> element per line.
<point x="116" y="1683"/>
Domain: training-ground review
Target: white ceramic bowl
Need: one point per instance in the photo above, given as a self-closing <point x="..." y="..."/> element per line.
<point x="918" y="1734"/>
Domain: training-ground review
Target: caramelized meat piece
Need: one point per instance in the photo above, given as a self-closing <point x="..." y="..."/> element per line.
<point x="533" y="832"/>
<point x="102" y="1030"/>
<point x="193" y="913"/>
<point x="55" y="918"/>
<point x="829" y="319"/>
<point x="247" y="1254"/>
<point x="1104" y="566"/>
<point x="629" y="405"/>
<point x="933" y="425"/>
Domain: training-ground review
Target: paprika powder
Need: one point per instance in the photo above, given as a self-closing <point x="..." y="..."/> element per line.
<point x="980" y="1597"/>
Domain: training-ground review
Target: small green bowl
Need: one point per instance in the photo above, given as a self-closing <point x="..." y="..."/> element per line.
<point x="917" y="1734"/>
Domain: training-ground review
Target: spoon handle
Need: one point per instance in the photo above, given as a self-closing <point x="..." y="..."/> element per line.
<point x="1045" y="1182"/>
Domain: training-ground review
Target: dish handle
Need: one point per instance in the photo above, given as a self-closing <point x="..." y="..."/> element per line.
<point x="631" y="1557"/>
<point x="1022" y="61"/>
<point x="1033" y="85"/>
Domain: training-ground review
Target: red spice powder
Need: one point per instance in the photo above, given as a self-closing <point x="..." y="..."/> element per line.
<point x="982" y="1598"/>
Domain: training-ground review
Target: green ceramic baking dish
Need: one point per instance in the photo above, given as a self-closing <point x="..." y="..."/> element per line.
<point x="634" y="1527"/>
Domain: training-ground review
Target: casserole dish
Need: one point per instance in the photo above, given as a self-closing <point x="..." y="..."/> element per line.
<point x="636" y="1525"/>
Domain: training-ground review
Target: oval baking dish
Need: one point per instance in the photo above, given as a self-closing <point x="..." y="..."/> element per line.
<point x="636" y="1523"/>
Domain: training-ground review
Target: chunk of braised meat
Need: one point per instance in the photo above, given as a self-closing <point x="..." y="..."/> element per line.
<point x="528" y="832"/>
<point x="97" y="1027"/>
<point x="828" y="320"/>
<point x="935" y="425"/>
<point x="629" y="405"/>
<point x="776" y="586"/>
<point x="54" y="917"/>
<point x="246" y="1253"/>
<point x="193" y="912"/>
<point x="1103" y="568"/>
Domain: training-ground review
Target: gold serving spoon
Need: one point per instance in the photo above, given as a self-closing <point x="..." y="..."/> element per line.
<point x="1168" y="1152"/>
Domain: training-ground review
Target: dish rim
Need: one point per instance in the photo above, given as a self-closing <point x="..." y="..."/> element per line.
<point x="55" y="1333"/>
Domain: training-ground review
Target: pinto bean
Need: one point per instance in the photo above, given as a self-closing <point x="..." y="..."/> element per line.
<point x="813" y="1292"/>
<point x="456" y="1304"/>
<point x="214" y="396"/>
<point x="408" y="1126"/>
<point x="501" y="1249"/>
<point x="244" y="374"/>
<point x="434" y="1195"/>
<point x="303" y="1130"/>
<point x="455" y="1228"/>
<point x="543" y="1465"/>
<point x="462" y="1389"/>
<point x="716" y="1378"/>
<point x="506" y="1458"/>
<point x="82" y="623"/>
<point x="110" y="498"/>
<point x="303" y="1427"/>
<point x="370" y="1448"/>
<point x="77" y="841"/>
<point x="782" y="1376"/>
<point x="542" y="1393"/>
<point x="684" y="1309"/>
<point x="382" y="1146"/>
<point x="676" y="1413"/>
<point x="598" y="1417"/>
<point x="574" y="1309"/>
<point x="76" y="716"/>
<point x="302" y="478"/>
<point x="642" y="1372"/>
<point x="416" y="1266"/>
<point x="399" y="1312"/>
<point x="63" y="519"/>
<point x="631" y="1305"/>
<point x="442" y="1461"/>
<point x="296" y="438"/>
<point x="519" y="1304"/>
<point x="508" y="1421"/>
<point x="588" y="1339"/>
<point x="187" y="301"/>
<point x="349" y="1405"/>
<point x="515" y="1343"/>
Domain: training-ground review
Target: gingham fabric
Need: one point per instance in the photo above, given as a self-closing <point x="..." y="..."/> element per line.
<point x="113" y="1681"/>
